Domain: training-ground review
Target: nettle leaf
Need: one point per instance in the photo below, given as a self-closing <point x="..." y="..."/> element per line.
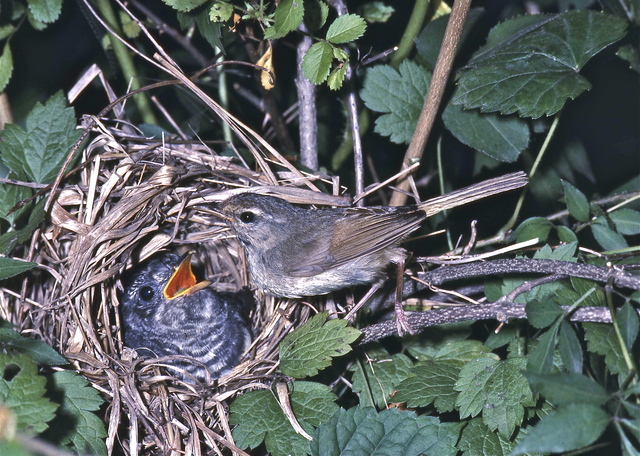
<point x="220" y="12"/>
<point x="23" y="390"/>
<point x="37" y="152"/>
<point x="540" y="359"/>
<point x="584" y="288"/>
<point x="601" y="338"/>
<point x="569" y="347"/>
<point x="532" y="228"/>
<point x="627" y="221"/>
<point x="374" y="381"/>
<point x="392" y="432"/>
<point x="543" y="313"/>
<point x="79" y="401"/>
<point x="432" y="381"/>
<point x="316" y="62"/>
<point x="568" y="388"/>
<point x="184" y="6"/>
<point x="211" y="31"/>
<point x="46" y="11"/>
<point x="627" y="318"/>
<point x="6" y="66"/>
<point x="346" y="28"/>
<point x="502" y="138"/>
<point x="288" y="16"/>
<point x="497" y="389"/>
<point x="399" y="94"/>
<point x="569" y="428"/>
<point x="39" y="351"/>
<point x="606" y="237"/>
<point x="478" y="440"/>
<point x="577" y="203"/>
<point x="259" y="418"/>
<point x="311" y="347"/>
<point x="10" y="267"/>
<point x="530" y="64"/>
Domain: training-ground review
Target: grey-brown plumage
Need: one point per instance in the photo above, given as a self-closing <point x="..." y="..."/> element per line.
<point x="200" y="324"/>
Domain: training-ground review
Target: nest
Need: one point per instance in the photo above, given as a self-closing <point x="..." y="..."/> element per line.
<point x="132" y="198"/>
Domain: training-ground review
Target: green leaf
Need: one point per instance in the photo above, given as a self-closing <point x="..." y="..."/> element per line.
<point x="38" y="152"/>
<point x="362" y="431"/>
<point x="22" y="390"/>
<point x="373" y="381"/>
<point x="532" y="228"/>
<point x="259" y="418"/>
<point x="78" y="402"/>
<point x="543" y="313"/>
<point x="346" y="28"/>
<point x="497" y="389"/>
<point x="10" y="195"/>
<point x="568" y="388"/>
<point x="399" y="94"/>
<point x="601" y="338"/>
<point x="541" y="357"/>
<point x="584" y="286"/>
<point x="627" y="318"/>
<point x="311" y="347"/>
<point x="46" y="11"/>
<point x="530" y="64"/>
<point x="565" y="234"/>
<point x="288" y="16"/>
<point x="627" y="221"/>
<point x="430" y="382"/>
<point x="502" y="138"/>
<point x="6" y="66"/>
<point x="564" y="252"/>
<point x="316" y="13"/>
<point x="606" y="237"/>
<point x="336" y="77"/>
<point x="39" y="351"/>
<point x="376" y="12"/>
<point x="570" y="349"/>
<point x="569" y="428"/>
<point x="220" y="12"/>
<point x="211" y="31"/>
<point x="184" y="6"/>
<point x="10" y="267"/>
<point x="316" y="63"/>
<point x="577" y="203"/>
<point x="478" y="440"/>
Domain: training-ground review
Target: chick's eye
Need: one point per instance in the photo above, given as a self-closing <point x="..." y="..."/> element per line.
<point x="146" y="293"/>
<point x="247" y="217"/>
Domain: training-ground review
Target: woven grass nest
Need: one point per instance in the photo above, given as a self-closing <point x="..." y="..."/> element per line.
<point x="132" y="198"/>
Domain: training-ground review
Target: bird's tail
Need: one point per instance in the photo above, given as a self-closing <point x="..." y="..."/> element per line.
<point x="474" y="192"/>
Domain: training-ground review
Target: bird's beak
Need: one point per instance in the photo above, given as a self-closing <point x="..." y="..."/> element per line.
<point x="183" y="282"/>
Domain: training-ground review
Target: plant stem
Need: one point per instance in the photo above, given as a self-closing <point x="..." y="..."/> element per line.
<point x="411" y="32"/>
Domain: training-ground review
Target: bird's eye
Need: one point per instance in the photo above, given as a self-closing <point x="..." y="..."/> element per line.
<point x="247" y="217"/>
<point x="146" y="293"/>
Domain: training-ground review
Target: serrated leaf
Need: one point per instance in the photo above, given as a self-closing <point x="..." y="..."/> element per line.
<point x="399" y="94"/>
<point x="78" y="403"/>
<point x="37" y="152"/>
<point x="532" y="228"/>
<point x="601" y="338"/>
<point x="564" y="252"/>
<point x="211" y="31"/>
<point x="584" y="287"/>
<point x="373" y="381"/>
<point x="569" y="347"/>
<point x="316" y="13"/>
<point x="504" y="336"/>
<point x="336" y="77"/>
<point x="391" y="432"/>
<point x="259" y="418"/>
<point x="220" y="12"/>
<point x="288" y="16"/>
<point x="478" y="440"/>
<point x="497" y="389"/>
<point x="376" y="12"/>
<point x="530" y="64"/>
<point x="569" y="428"/>
<point x="39" y="351"/>
<point x="184" y="6"/>
<point x="627" y="221"/>
<point x="22" y="390"/>
<point x="316" y="62"/>
<point x="311" y="347"/>
<point x="540" y="360"/>
<point x="346" y="28"/>
<point x="10" y="267"/>
<point x="46" y="11"/>
<point x="543" y="313"/>
<point x="464" y="350"/>
<point x="565" y="234"/>
<point x="577" y="203"/>
<point x="627" y="318"/>
<point x="10" y="195"/>
<point x="606" y="237"/>
<point x="568" y="388"/>
<point x="430" y="382"/>
<point x="439" y="338"/>
<point x="6" y="66"/>
<point x="502" y="138"/>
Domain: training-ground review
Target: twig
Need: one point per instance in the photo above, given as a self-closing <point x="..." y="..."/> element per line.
<point x="307" y="122"/>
